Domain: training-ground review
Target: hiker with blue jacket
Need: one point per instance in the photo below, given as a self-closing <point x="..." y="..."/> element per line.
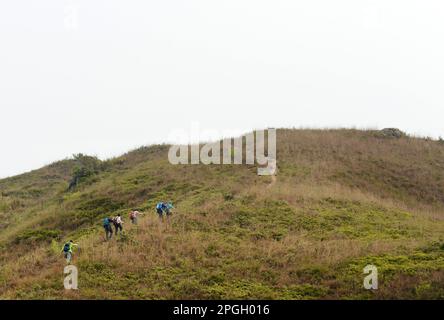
<point x="168" y="207"/>
<point x="162" y="208"/>
<point x="159" y="209"/>
<point x="108" y="229"/>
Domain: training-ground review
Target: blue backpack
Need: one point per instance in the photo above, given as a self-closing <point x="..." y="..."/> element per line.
<point x="105" y="222"/>
<point x="160" y="206"/>
<point x="67" y="247"/>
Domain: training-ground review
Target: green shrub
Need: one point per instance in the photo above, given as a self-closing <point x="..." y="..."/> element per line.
<point x="86" y="166"/>
<point x="41" y="235"/>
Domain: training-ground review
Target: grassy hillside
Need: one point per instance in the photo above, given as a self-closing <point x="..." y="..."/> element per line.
<point x="343" y="199"/>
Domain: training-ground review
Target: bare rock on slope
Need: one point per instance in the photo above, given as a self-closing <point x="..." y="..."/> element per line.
<point x="391" y="133"/>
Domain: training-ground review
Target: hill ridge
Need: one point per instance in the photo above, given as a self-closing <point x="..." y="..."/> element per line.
<point x="343" y="199"/>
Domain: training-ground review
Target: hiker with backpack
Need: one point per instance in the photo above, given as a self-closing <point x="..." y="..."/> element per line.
<point x="159" y="209"/>
<point x="118" y="224"/>
<point x="168" y="208"/>
<point x="162" y="208"/>
<point x="108" y="229"/>
<point x="134" y="215"/>
<point x="67" y="250"/>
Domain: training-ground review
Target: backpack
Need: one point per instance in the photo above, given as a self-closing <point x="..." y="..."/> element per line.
<point x="132" y="214"/>
<point x="105" y="222"/>
<point x="67" y="247"/>
<point x="159" y="206"/>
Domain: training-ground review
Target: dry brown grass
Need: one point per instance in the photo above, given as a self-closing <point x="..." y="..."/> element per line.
<point x="341" y="196"/>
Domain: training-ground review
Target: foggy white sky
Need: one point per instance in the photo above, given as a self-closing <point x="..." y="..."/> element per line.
<point x="104" y="76"/>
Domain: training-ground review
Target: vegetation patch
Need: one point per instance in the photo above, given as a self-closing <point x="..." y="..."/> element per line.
<point x="38" y="235"/>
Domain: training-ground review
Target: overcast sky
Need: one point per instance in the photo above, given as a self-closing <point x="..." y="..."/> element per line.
<point x="105" y="76"/>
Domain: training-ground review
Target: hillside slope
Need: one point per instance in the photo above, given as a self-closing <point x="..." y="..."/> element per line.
<point x="343" y="199"/>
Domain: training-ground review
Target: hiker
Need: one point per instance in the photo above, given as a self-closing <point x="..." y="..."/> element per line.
<point x="108" y="229"/>
<point x="118" y="224"/>
<point x="67" y="250"/>
<point x="159" y="208"/>
<point x="162" y="208"/>
<point x="168" y="207"/>
<point x="134" y="216"/>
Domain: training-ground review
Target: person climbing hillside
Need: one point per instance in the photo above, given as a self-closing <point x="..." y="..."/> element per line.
<point x="118" y="224"/>
<point x="168" y="208"/>
<point x="67" y="250"/>
<point x="108" y="229"/>
<point x="159" y="209"/>
<point x="134" y="215"/>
